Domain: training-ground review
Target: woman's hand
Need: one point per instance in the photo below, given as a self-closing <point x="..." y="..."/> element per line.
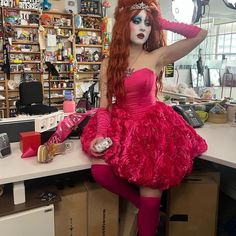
<point x="93" y="149"/>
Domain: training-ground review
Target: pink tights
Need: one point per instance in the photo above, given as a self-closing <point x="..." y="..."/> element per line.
<point x="105" y="177"/>
<point x="148" y="215"/>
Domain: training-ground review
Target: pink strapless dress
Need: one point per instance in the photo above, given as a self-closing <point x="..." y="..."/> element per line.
<point x="153" y="146"/>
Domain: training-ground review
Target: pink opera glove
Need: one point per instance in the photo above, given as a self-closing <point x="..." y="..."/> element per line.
<point x="103" y="122"/>
<point x="188" y="31"/>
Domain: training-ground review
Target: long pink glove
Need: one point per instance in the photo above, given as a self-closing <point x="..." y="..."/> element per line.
<point x="188" y="31"/>
<point x="103" y="122"/>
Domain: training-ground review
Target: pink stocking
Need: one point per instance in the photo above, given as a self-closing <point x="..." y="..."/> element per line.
<point x="106" y="178"/>
<point x="148" y="216"/>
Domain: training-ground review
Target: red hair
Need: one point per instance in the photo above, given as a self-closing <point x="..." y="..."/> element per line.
<point x="119" y="48"/>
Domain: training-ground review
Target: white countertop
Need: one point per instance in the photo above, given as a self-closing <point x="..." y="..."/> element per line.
<point x="14" y="169"/>
<point x="221" y="140"/>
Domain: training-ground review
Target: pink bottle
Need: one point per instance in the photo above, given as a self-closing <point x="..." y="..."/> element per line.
<point x="69" y="106"/>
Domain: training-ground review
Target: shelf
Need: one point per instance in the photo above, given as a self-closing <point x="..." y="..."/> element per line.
<point x="85" y="80"/>
<point x="26" y="72"/>
<point x="57" y="13"/>
<point x="177" y="95"/>
<point x="61" y="62"/>
<point x="26" y="26"/>
<point x="55" y="89"/>
<point x="90" y="15"/>
<point x="17" y="52"/>
<point x="58" y="80"/>
<point x="88" y="72"/>
<point x="55" y="26"/>
<point x="3" y="108"/>
<point x="61" y="72"/>
<point x="21" y="9"/>
<point x="88" y="29"/>
<point x="25" y="42"/>
<point x="89" y="45"/>
<point x="88" y="63"/>
<point x="28" y="62"/>
<point x="58" y="97"/>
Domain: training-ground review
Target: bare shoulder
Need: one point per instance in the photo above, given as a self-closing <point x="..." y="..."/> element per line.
<point x="157" y="56"/>
<point x="105" y="62"/>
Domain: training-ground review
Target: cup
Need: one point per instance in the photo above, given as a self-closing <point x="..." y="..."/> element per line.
<point x="203" y="115"/>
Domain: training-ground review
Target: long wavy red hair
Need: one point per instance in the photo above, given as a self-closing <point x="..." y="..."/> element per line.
<point x="119" y="48"/>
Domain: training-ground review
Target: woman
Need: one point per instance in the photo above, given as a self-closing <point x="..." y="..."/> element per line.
<point x="153" y="147"/>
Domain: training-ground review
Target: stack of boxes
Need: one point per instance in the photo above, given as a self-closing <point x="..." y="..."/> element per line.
<point x="87" y="210"/>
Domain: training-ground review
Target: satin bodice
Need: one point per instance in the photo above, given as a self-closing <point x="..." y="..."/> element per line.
<point x="140" y="90"/>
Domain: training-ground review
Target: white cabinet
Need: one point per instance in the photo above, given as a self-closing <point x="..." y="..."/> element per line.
<point x="35" y="222"/>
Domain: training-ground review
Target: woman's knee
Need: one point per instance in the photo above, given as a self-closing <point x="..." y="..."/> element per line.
<point x="101" y="173"/>
<point x="150" y="192"/>
<point x="98" y="161"/>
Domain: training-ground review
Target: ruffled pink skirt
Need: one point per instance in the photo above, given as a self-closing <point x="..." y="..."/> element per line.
<point x="155" y="150"/>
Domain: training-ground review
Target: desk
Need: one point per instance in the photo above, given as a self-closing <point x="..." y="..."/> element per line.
<point x="221" y="140"/>
<point x="14" y="169"/>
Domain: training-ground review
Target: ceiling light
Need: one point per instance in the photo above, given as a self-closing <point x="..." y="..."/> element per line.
<point x="230" y="3"/>
<point x="188" y="11"/>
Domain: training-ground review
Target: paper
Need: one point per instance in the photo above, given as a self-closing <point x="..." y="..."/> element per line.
<point x="51" y="40"/>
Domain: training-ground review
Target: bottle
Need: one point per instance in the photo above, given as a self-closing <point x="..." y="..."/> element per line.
<point x="64" y="53"/>
<point x="69" y="103"/>
<point x="59" y="55"/>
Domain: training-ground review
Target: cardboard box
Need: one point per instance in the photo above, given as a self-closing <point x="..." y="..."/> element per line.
<point x="103" y="211"/>
<point x="71" y="212"/>
<point x="193" y="205"/>
<point x="128" y="218"/>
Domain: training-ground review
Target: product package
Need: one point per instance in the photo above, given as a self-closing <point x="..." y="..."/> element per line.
<point x="29" y="143"/>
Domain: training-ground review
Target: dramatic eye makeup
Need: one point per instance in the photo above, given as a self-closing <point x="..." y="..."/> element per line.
<point x="138" y="19"/>
<point x="147" y="22"/>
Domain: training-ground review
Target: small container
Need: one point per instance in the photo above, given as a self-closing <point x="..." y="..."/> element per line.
<point x="69" y="106"/>
<point x="231" y="111"/>
<point x="69" y="103"/>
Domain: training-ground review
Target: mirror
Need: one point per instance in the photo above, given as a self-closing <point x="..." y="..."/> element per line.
<point x="214" y="78"/>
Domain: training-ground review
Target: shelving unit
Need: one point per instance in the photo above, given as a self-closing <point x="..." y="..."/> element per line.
<point x="88" y="50"/>
<point x="3" y="90"/>
<point x="76" y="53"/>
<point x="59" y="51"/>
<point x="21" y="34"/>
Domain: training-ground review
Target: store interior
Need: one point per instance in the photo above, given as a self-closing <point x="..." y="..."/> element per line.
<point x="50" y="61"/>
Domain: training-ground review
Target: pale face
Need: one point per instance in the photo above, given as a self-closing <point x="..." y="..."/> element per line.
<point x="140" y="28"/>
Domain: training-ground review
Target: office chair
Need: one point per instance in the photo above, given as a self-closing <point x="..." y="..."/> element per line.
<point x="31" y="99"/>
